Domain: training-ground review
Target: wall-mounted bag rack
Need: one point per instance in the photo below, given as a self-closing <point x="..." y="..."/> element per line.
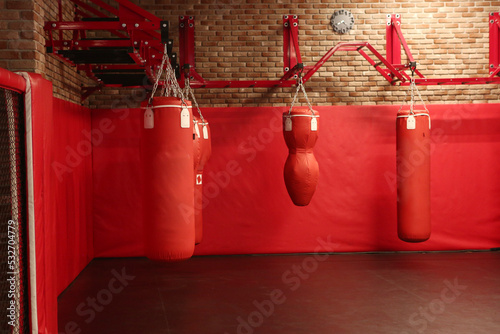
<point x="132" y="56"/>
<point x="390" y="67"/>
<point x="116" y="46"/>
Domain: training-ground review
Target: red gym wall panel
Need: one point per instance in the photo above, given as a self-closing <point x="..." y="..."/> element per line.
<point x="246" y="205"/>
<point x="71" y="170"/>
<point x="117" y="194"/>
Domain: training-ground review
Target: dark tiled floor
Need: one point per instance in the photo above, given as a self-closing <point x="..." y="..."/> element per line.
<point x="296" y="294"/>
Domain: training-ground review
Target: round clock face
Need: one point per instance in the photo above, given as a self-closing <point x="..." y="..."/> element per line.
<point x="342" y="21"/>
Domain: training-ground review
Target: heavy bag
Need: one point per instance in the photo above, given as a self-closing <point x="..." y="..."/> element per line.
<point x="413" y="175"/>
<point x="205" y="150"/>
<point x="300" y="129"/>
<point x="167" y="171"/>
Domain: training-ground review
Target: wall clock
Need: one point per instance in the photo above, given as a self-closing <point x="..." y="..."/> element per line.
<point x="342" y="21"/>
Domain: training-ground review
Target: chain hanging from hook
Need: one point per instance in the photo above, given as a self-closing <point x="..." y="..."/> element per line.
<point x="188" y="93"/>
<point x="300" y="87"/>
<point x="413" y="88"/>
<point x="170" y="84"/>
<point x="158" y="75"/>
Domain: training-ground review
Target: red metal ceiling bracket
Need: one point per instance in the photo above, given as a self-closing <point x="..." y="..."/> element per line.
<point x="291" y="51"/>
<point x="494" y="20"/>
<point x="186" y="49"/>
<point x="392" y="45"/>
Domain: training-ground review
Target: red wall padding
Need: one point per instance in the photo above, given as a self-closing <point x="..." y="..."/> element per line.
<point x="247" y="208"/>
<point x="117" y="189"/>
<point x="40" y="96"/>
<point x="71" y="170"/>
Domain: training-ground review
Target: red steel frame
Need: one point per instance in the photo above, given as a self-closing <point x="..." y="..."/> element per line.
<point x="494" y="44"/>
<point x="135" y="29"/>
<point x="140" y="30"/>
<point x="390" y="67"/>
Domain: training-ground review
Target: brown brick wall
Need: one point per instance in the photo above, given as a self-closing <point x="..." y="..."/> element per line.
<point x="66" y="80"/>
<point x="242" y="39"/>
<point x="22" y="44"/>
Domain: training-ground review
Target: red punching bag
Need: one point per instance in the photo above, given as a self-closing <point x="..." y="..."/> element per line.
<point x="300" y="129"/>
<point x="167" y="171"/>
<point x="413" y="173"/>
<point x="205" y="150"/>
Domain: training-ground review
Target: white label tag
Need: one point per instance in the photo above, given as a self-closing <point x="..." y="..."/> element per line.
<point x="199" y="179"/>
<point x="410" y="122"/>
<point x="185" y="118"/>
<point x="429" y="122"/>
<point x="149" y="119"/>
<point x="205" y="131"/>
<point x="288" y="124"/>
<point x="314" y="124"/>
<point x="196" y="129"/>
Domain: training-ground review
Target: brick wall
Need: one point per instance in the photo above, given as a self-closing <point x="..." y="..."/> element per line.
<point x="65" y="78"/>
<point x="22" y="44"/>
<point x="242" y="39"/>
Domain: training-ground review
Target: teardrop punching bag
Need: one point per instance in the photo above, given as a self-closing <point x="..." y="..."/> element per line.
<point x="413" y="175"/>
<point x="301" y="173"/>
<point x="205" y="150"/>
<point x="167" y="170"/>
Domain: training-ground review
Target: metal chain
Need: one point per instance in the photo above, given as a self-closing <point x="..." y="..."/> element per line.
<point x="411" y="90"/>
<point x="158" y="75"/>
<point x="300" y="86"/>
<point x="189" y="92"/>
<point x="412" y="84"/>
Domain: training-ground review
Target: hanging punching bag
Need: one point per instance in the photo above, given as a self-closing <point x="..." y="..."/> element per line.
<point x="300" y="129"/>
<point x="167" y="170"/>
<point x="205" y="150"/>
<point x="413" y="174"/>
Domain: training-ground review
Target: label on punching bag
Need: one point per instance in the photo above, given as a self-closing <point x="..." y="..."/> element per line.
<point x="185" y="118"/>
<point x="205" y="131"/>
<point x="149" y="119"/>
<point x="288" y="124"/>
<point x="196" y="129"/>
<point x="411" y="124"/>
<point x="314" y="124"/>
